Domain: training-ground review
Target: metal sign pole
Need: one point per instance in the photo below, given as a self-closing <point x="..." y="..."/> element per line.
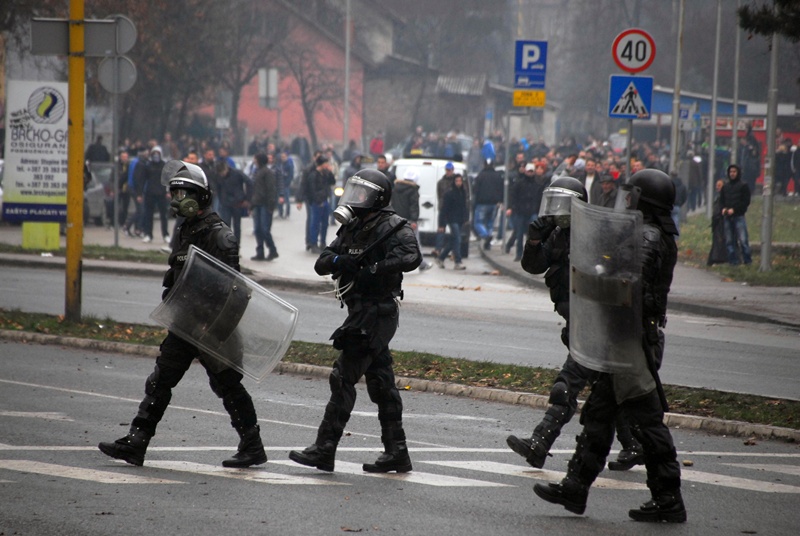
<point x="115" y="151"/>
<point x="628" y="152"/>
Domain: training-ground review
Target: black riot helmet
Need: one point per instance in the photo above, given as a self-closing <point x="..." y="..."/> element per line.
<point x="188" y="186"/>
<point x="557" y="199"/>
<point x="366" y="191"/>
<point x="650" y="191"/>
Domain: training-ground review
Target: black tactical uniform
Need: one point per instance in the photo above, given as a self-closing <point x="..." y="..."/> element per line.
<point x="641" y="396"/>
<point x="363" y="338"/>
<point x="547" y="251"/>
<point x="205" y="230"/>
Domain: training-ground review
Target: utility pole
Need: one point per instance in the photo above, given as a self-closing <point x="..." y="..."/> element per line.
<point x="75" y="133"/>
<point x="735" y="128"/>
<point x="712" y="149"/>
<point x="768" y="193"/>
<point x="346" y="132"/>
<point x="675" y="133"/>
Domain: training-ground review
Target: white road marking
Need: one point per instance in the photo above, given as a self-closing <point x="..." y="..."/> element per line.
<point x="793" y="470"/>
<point x="251" y="474"/>
<point x="530" y="472"/>
<point x="80" y="473"/>
<point x="731" y="481"/>
<point x="415" y="477"/>
<point x="49" y="415"/>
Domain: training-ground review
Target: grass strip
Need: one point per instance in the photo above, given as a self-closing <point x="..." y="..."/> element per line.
<point x="684" y="400"/>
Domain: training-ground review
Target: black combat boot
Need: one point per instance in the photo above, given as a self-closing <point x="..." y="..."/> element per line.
<point x="321" y="456"/>
<point x="250" y="450"/>
<point x="665" y="506"/>
<point x="627" y="458"/>
<point x="631" y="452"/>
<point x="130" y="448"/>
<point x="395" y="456"/>
<point x="569" y="493"/>
<point x="534" y="450"/>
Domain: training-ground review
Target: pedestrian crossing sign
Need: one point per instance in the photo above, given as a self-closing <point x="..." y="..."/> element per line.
<point x="630" y="97"/>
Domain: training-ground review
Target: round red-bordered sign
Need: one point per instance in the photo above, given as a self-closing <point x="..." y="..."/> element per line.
<point x="634" y="50"/>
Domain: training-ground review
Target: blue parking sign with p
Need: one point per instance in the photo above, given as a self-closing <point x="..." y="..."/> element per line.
<point x="530" y="64"/>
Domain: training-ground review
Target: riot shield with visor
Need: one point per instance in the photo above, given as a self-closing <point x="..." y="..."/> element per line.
<point x="227" y="316"/>
<point x="605" y="322"/>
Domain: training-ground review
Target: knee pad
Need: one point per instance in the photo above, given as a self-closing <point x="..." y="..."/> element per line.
<point x="559" y="394"/>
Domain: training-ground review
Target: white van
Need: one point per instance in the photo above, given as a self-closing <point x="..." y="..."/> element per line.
<point x="430" y="170"/>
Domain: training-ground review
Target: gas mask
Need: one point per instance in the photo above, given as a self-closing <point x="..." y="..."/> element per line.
<point x="156" y="157"/>
<point x="345" y="214"/>
<point x="183" y="204"/>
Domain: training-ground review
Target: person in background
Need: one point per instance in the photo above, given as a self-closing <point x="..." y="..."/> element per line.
<point x="263" y="202"/>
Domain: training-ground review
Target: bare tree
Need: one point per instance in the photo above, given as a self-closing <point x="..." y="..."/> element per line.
<point x="320" y="88"/>
<point x="245" y="34"/>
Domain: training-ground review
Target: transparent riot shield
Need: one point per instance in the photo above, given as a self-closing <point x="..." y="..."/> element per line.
<point x="605" y="312"/>
<point x="227" y="316"/>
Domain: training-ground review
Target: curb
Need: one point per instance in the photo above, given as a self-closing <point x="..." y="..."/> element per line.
<point x="673" y="420"/>
<point x="145" y="269"/>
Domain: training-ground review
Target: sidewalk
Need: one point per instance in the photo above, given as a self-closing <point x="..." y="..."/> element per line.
<point x="693" y="291"/>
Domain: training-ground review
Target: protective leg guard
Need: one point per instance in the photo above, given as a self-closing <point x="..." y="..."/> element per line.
<point x="250" y="450"/>
<point x="569" y="493"/>
<point x="321" y="456"/>
<point x="536" y="449"/>
<point x="395" y="456"/>
<point x="130" y="448"/>
<point x="665" y="506"/>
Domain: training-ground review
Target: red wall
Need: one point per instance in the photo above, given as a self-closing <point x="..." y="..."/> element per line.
<point x="328" y="121"/>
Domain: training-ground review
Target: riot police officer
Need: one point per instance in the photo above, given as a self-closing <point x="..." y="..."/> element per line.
<point x="637" y="394"/>
<point x="372" y="249"/>
<point x="203" y="228"/>
<point x="547" y="251"/>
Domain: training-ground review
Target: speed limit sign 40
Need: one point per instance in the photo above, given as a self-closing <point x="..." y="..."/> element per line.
<point x="634" y="50"/>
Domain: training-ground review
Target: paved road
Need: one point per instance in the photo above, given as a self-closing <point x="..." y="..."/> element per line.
<point x="505" y="323"/>
<point x="57" y="403"/>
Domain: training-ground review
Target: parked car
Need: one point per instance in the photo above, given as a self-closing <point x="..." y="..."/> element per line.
<point x="98" y="194"/>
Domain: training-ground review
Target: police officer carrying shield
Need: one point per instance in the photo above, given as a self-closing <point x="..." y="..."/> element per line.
<point x="547" y="251"/>
<point x="203" y="228"/>
<point x="638" y="395"/>
<point x="372" y="249"/>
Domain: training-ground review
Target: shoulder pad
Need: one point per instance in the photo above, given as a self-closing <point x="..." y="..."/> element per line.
<point x="226" y="240"/>
<point x="651" y="233"/>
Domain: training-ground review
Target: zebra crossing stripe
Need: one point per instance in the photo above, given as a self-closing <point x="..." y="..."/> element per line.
<point x="732" y="481"/>
<point x="80" y="473"/>
<point x="415" y="477"/>
<point x="529" y="472"/>
<point x="793" y="470"/>
<point x="251" y="474"/>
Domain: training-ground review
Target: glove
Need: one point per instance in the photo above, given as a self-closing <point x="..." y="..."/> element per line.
<point x="346" y="264"/>
<point x="539" y="230"/>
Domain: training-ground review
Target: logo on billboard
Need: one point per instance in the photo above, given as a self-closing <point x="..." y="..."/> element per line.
<point x="46" y="105"/>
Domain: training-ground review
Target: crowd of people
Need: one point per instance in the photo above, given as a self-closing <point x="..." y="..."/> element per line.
<point x="280" y="170"/>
